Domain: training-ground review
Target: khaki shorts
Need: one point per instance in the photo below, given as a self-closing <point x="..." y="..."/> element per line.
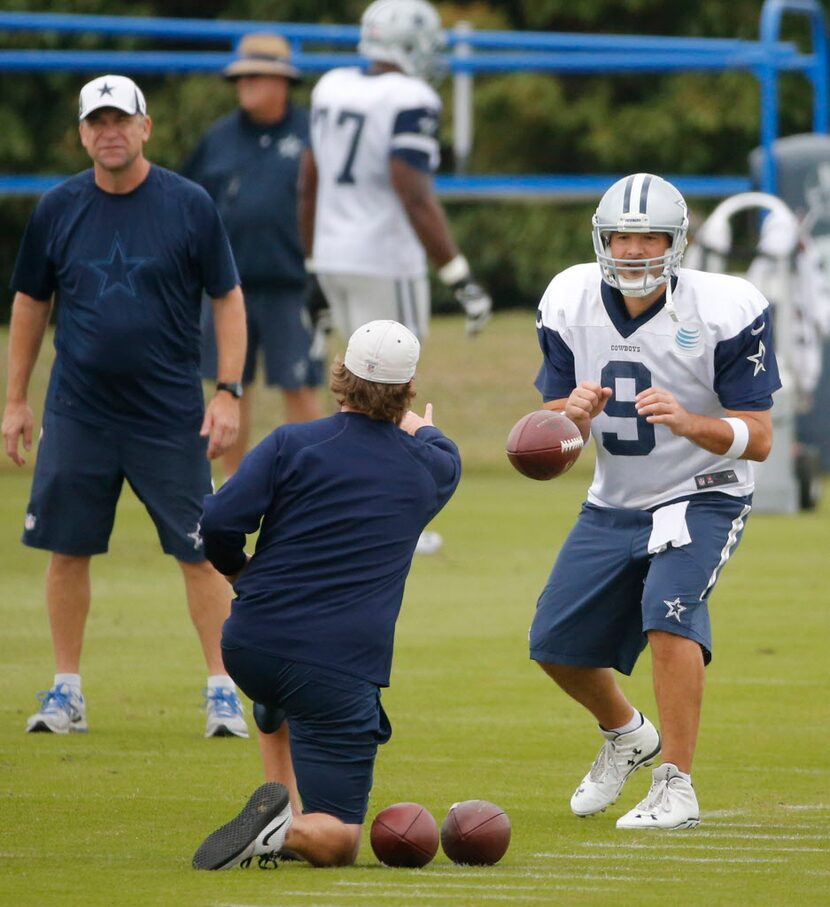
<point x="357" y="298"/>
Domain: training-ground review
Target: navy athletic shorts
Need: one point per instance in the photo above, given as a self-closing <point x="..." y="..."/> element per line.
<point x="79" y="474"/>
<point x="335" y="721"/>
<point x="606" y="591"/>
<point x="279" y="326"/>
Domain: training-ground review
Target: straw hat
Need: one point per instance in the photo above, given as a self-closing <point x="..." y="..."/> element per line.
<point x="262" y="54"/>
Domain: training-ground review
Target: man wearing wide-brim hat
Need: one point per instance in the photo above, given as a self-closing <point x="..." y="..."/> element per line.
<point x="262" y="54"/>
<point x="248" y="162"/>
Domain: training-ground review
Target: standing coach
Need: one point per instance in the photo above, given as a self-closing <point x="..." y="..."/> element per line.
<point x="249" y="162"/>
<point x="127" y="248"/>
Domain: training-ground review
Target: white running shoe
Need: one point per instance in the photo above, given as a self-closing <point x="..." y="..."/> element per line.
<point x="620" y="756"/>
<point x="258" y="831"/>
<point x="429" y="542"/>
<point x="671" y="803"/>
<point x="224" y="713"/>
<point x="62" y="710"/>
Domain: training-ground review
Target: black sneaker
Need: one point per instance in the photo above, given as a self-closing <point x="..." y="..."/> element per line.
<point x="258" y="830"/>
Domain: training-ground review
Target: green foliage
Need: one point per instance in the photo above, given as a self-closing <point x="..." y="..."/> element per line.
<point x="687" y="123"/>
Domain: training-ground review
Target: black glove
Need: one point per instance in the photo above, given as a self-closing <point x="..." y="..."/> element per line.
<point x="316" y="303"/>
<point x="319" y="315"/>
<point x="476" y="302"/>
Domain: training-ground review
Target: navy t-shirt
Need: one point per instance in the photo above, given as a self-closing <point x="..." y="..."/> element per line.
<point x="340" y="503"/>
<point x="250" y="170"/>
<point x="129" y="271"/>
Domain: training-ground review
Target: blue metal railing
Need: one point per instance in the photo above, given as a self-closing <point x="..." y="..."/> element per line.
<point x="460" y="187"/>
<point x="483" y="52"/>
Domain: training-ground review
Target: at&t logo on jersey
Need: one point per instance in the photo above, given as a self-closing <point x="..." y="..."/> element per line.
<point x="688" y="340"/>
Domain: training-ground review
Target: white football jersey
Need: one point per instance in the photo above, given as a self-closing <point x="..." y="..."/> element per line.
<point x="359" y="120"/>
<point x="718" y="357"/>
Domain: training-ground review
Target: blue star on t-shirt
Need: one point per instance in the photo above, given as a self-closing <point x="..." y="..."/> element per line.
<point x="116" y="271"/>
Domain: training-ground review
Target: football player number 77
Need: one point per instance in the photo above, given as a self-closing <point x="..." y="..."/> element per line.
<point x="348" y="119"/>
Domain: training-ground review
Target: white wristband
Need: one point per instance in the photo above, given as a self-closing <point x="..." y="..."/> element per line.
<point x="454" y="271"/>
<point x="740" y="438"/>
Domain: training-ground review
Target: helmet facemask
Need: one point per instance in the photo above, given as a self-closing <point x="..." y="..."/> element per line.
<point x="641" y="203"/>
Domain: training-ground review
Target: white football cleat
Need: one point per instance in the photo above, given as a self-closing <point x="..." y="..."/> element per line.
<point x="671" y="803"/>
<point x="224" y="713"/>
<point x="62" y="711"/>
<point x="620" y="757"/>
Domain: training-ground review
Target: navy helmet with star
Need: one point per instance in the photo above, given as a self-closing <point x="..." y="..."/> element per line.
<point x="111" y="91"/>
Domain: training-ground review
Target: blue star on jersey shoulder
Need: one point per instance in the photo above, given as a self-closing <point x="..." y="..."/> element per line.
<point x="117" y="271"/>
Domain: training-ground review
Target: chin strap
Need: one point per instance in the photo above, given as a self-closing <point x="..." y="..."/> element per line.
<point x="670" y="309"/>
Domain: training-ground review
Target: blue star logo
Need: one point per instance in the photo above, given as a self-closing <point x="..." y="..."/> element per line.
<point x="674" y="609"/>
<point x="105" y="89"/>
<point x="116" y="271"/>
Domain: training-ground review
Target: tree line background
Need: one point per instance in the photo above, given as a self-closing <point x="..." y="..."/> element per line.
<point x="687" y="123"/>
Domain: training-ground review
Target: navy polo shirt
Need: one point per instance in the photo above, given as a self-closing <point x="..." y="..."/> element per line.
<point x="250" y="170"/>
<point x="128" y="271"/>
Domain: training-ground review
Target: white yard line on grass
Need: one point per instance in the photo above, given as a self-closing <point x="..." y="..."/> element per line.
<point x="789" y="826"/>
<point x="685" y="845"/>
<point x="543" y="876"/>
<point x="742" y="836"/>
<point x="658" y="856"/>
<point x="444" y="886"/>
<point x="412" y="894"/>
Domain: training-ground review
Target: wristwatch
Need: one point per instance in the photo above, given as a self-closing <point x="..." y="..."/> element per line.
<point x="234" y="388"/>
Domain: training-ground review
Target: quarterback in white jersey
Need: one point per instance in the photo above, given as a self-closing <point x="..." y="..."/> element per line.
<point x="672" y="371"/>
<point x="369" y="216"/>
<point x="714" y="350"/>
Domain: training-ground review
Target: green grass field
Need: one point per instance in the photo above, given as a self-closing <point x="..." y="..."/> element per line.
<point x="113" y="817"/>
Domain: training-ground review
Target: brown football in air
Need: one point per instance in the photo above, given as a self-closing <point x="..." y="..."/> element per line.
<point x="404" y="834"/>
<point x="476" y="833"/>
<point x="544" y="444"/>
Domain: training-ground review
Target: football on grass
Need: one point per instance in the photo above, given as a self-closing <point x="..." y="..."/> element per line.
<point x="476" y="833"/>
<point x="544" y="444"/>
<point x="404" y="834"/>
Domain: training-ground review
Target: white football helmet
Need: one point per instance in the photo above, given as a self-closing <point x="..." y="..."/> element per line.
<point x="406" y="33"/>
<point x="640" y="203"/>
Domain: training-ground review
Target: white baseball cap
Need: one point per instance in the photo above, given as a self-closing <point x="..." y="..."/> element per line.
<point x="384" y="352"/>
<point x="111" y="91"/>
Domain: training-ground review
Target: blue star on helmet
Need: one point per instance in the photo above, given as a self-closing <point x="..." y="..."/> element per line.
<point x="117" y="271"/>
<point x="105" y="89"/>
<point x="758" y="359"/>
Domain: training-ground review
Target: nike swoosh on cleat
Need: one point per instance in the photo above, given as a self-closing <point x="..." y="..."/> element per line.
<point x="273" y="831"/>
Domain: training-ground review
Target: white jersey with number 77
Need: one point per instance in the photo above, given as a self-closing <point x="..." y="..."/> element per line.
<point x="358" y="121"/>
